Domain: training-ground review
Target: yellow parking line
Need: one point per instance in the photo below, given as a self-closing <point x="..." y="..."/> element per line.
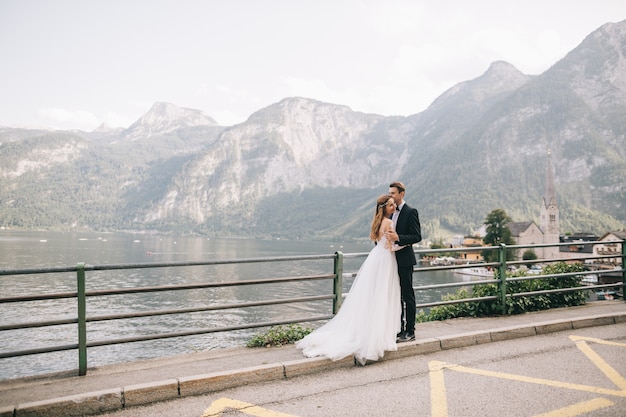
<point x="540" y="381"/>
<point x="578" y="409"/>
<point x="597" y="360"/>
<point x="599" y="341"/>
<point x="438" y="399"/>
<point x="218" y="406"/>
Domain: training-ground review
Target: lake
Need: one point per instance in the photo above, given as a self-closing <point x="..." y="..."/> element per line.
<point x="20" y="249"/>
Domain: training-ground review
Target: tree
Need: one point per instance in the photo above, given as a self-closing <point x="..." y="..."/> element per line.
<point x="437" y="244"/>
<point x="529" y="255"/>
<point x="497" y="233"/>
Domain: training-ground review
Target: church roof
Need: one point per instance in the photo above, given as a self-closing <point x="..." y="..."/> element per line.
<point x="518" y="228"/>
<point x="618" y="234"/>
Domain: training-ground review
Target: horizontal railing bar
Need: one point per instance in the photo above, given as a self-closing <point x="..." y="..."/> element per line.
<point x="355" y="255"/>
<point x="539" y="276"/>
<point x="41" y="297"/>
<point x="207" y="263"/>
<point x="458" y="249"/>
<point x="38" y="324"/>
<point x="600" y="286"/>
<point x="210" y="308"/>
<point x="448" y="302"/>
<point x="51" y="349"/>
<point x="108" y="267"/>
<point x="555" y="290"/>
<point x="455" y="284"/>
<point x="205" y="331"/>
<point x="565" y="244"/>
<point x="33" y="271"/>
<point x="117" y="291"/>
<point x="455" y="266"/>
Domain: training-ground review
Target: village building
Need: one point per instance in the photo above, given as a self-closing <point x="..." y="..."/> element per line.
<point x="612" y="247"/>
<point x="471" y="255"/>
<point x="577" y="246"/>
<point x="527" y="233"/>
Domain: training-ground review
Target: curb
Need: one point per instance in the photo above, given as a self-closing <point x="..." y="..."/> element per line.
<point x="110" y="400"/>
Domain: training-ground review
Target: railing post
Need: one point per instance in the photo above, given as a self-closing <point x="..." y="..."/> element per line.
<point x="502" y="273"/>
<point x="338" y="282"/>
<point x="82" y="321"/>
<point x="623" y="267"/>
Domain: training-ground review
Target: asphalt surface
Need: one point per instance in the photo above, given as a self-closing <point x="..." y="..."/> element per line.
<point x="116" y="387"/>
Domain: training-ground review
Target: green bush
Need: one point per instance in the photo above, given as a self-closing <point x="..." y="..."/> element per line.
<point x="529" y="255"/>
<point x="278" y="336"/>
<point x="514" y="305"/>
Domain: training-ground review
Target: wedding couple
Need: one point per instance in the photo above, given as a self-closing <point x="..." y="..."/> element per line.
<point x="379" y="310"/>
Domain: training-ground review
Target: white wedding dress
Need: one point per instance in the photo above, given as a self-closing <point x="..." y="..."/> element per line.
<point x="369" y="318"/>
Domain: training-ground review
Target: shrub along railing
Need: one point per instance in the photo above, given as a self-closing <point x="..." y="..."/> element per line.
<point x="498" y="298"/>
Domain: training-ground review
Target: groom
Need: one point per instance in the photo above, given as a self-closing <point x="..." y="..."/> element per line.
<point x="407" y="232"/>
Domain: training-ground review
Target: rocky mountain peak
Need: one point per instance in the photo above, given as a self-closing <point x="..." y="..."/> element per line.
<point x="501" y="77"/>
<point x="596" y="69"/>
<point x="502" y="71"/>
<point x="164" y="118"/>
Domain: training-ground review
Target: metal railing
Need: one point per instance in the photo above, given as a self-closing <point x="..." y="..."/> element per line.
<point x="337" y="275"/>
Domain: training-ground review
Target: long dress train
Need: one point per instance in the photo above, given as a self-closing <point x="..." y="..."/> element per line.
<point x="369" y="318"/>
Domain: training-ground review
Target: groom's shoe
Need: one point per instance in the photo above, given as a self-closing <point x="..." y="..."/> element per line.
<point x="406" y="337"/>
<point x="399" y="336"/>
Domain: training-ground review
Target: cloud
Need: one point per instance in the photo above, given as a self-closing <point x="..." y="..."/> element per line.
<point x="68" y="119"/>
<point x="228" y="118"/>
<point x="113" y="119"/>
<point x="400" y="94"/>
<point x="319" y="90"/>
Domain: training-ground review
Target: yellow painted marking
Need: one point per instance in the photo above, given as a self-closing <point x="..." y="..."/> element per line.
<point x="580" y="408"/>
<point x="598" y="341"/>
<point x="597" y="360"/>
<point x="540" y="381"/>
<point x="438" y="399"/>
<point x="223" y="404"/>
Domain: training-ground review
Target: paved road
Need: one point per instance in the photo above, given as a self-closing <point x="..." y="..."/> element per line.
<point x="579" y="372"/>
<point x="455" y="367"/>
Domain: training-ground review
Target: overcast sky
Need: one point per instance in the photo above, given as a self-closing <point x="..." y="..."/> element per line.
<point x="78" y="64"/>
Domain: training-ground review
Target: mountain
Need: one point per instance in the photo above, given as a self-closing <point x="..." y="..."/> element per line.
<point x="305" y="169"/>
<point x="166" y="118"/>
<point x="498" y="158"/>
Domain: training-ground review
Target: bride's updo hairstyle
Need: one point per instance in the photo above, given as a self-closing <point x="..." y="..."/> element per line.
<point x="379" y="215"/>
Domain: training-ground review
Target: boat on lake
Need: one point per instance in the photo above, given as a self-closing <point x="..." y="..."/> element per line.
<point x="591" y="279"/>
<point x="475" y="271"/>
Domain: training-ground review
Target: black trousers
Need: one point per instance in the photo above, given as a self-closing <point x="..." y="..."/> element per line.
<point x="407" y="321"/>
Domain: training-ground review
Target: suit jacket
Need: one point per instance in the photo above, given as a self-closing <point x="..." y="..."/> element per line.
<point x="409" y="232"/>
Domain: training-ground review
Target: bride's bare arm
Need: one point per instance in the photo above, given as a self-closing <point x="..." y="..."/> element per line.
<point x="387" y="226"/>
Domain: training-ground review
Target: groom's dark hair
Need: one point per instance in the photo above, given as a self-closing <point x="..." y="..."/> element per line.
<point x="397" y="185"/>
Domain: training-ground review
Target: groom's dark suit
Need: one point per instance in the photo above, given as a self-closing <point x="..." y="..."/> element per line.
<point x="409" y="232"/>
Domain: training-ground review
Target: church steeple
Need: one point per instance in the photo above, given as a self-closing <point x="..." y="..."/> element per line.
<point x="549" y="196"/>
<point x="550" y="213"/>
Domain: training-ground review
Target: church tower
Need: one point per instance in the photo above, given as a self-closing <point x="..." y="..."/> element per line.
<point x="550" y="215"/>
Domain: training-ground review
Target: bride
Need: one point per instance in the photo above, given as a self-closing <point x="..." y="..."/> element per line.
<point x="369" y="318"/>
